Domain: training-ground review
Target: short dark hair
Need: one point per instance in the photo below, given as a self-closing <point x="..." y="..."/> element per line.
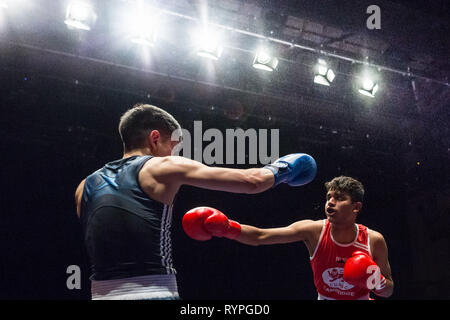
<point x="136" y="123"/>
<point x="348" y="185"/>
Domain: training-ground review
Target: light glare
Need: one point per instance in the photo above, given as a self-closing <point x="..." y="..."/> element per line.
<point x="143" y="30"/>
<point x="368" y="86"/>
<point x="78" y="15"/>
<point x="209" y="45"/>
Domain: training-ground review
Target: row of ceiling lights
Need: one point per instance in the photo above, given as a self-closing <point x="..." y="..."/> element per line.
<point x="143" y="31"/>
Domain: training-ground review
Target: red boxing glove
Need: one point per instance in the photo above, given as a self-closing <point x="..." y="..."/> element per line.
<point x="219" y="226"/>
<point x="360" y="270"/>
<point x="203" y="222"/>
<point x="193" y="223"/>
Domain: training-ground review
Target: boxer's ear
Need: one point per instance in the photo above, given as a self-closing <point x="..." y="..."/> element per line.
<point x="153" y="139"/>
<point x="357" y="206"/>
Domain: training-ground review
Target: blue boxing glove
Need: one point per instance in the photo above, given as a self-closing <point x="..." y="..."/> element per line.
<point x="295" y="169"/>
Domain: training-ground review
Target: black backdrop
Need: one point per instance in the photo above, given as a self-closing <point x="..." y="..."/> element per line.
<point x="54" y="133"/>
<point x="62" y="93"/>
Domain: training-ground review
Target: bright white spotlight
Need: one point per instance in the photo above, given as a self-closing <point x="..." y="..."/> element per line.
<point x="209" y="45"/>
<point x="142" y="25"/>
<point x="144" y="30"/>
<point x="322" y="74"/>
<point x="368" y="87"/>
<point x="3" y="4"/>
<point x="79" y="15"/>
<point x="264" y="61"/>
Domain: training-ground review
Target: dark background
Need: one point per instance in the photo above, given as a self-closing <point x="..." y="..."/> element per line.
<point x="62" y="92"/>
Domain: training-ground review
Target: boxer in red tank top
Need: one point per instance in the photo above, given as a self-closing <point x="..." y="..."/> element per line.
<point x="349" y="261"/>
<point x="328" y="262"/>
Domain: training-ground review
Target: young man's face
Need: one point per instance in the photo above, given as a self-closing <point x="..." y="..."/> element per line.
<point x="340" y="209"/>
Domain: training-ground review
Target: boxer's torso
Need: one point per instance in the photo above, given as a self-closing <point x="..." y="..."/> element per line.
<point x="126" y="233"/>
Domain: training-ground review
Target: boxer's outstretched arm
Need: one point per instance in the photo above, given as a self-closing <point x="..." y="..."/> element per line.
<point x="202" y="223"/>
<point x="176" y="170"/>
<point x="297" y="231"/>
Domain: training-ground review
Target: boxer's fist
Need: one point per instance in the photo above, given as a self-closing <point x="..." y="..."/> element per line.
<point x="220" y="226"/>
<point x="193" y="223"/>
<point x="360" y="270"/>
<point x="295" y="169"/>
<point x="203" y="222"/>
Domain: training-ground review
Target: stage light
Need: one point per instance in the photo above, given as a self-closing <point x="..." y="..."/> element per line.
<point x="209" y="45"/>
<point x="79" y="15"/>
<point x="143" y="30"/>
<point x="264" y="61"/>
<point x="368" y="87"/>
<point x="140" y="23"/>
<point x="323" y="74"/>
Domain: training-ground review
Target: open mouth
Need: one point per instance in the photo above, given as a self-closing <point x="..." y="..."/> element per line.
<point x="330" y="211"/>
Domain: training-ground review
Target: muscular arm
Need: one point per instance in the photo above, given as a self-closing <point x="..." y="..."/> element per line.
<point x="179" y="170"/>
<point x="380" y="256"/>
<point x="297" y="231"/>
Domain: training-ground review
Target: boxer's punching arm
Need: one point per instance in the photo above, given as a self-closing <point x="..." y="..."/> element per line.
<point x="297" y="231"/>
<point x="202" y="223"/>
<point x="176" y="170"/>
<point x="380" y="256"/>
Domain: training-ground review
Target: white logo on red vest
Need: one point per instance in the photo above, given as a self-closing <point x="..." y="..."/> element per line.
<point x="333" y="277"/>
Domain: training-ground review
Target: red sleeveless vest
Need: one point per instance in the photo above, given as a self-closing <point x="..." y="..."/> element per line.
<point x="328" y="261"/>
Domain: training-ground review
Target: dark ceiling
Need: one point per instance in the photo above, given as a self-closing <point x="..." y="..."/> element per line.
<point x="413" y="41"/>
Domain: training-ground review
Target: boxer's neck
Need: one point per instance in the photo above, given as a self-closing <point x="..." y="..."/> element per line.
<point x="343" y="233"/>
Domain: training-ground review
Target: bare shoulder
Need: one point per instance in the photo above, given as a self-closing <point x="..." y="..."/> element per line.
<point x="377" y="243"/>
<point x="375" y="237"/>
<point x="155" y="167"/>
<point x="317" y="224"/>
<point x="316" y="227"/>
<point x="312" y="227"/>
<point x="159" y="166"/>
<point x="158" y="178"/>
<point x="170" y="160"/>
<point x="310" y="231"/>
<point x="310" y="224"/>
<point x="155" y="162"/>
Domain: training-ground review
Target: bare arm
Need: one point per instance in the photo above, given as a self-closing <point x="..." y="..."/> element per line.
<point x="78" y="195"/>
<point x="297" y="231"/>
<point x="380" y="256"/>
<point x="179" y="170"/>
